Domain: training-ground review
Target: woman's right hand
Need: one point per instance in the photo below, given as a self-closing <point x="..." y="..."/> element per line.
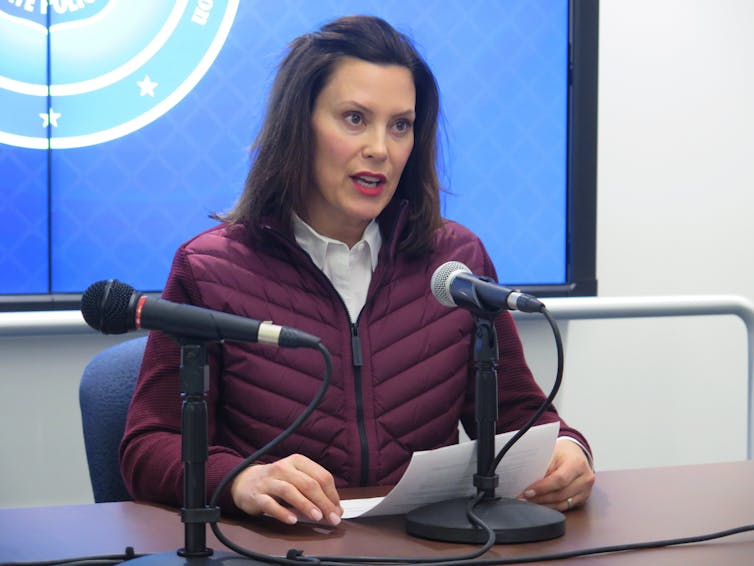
<point x="293" y="485"/>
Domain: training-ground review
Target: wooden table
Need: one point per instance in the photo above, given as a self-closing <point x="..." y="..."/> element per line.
<point x="628" y="506"/>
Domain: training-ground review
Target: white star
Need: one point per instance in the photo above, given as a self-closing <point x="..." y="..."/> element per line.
<point x="50" y="117"/>
<point x="146" y="86"/>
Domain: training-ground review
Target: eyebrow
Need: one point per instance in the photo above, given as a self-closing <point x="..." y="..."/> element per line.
<point x="409" y="113"/>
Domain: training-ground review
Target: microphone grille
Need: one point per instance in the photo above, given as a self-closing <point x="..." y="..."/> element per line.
<point x="105" y="306"/>
<point x="440" y="279"/>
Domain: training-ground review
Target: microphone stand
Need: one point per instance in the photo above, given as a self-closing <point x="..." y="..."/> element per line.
<point x="195" y="514"/>
<point x="512" y="520"/>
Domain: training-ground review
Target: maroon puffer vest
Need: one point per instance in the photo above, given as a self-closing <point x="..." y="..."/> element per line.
<point x="400" y="380"/>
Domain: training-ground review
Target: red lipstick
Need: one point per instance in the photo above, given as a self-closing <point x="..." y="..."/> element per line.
<point x="367" y="183"/>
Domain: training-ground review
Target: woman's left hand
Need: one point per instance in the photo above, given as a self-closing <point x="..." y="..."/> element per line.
<point x="568" y="481"/>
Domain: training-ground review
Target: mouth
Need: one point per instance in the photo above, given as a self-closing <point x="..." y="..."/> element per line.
<point x="369" y="183"/>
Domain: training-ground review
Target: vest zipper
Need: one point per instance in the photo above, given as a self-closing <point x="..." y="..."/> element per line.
<point x="357" y="356"/>
<point x="357" y="364"/>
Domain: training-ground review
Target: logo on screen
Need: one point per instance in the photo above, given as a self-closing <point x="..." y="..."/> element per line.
<point x="76" y="73"/>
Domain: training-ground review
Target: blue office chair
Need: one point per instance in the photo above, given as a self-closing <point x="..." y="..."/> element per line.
<point x="105" y="391"/>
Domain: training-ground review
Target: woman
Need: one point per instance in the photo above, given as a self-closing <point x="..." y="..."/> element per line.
<point x="337" y="233"/>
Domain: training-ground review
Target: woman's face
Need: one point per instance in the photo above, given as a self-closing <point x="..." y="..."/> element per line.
<point x="363" y="132"/>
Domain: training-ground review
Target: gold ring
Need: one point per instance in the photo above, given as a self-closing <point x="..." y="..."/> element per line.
<point x="569" y="502"/>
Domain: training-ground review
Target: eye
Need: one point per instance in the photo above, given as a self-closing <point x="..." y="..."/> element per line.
<point x="354" y="119"/>
<point x="403" y="125"/>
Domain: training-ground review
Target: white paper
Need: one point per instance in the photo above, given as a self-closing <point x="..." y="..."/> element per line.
<point x="447" y="473"/>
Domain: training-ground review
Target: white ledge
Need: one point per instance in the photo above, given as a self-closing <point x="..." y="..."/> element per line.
<point x="42" y="323"/>
<point x="588" y="308"/>
<point x="568" y="308"/>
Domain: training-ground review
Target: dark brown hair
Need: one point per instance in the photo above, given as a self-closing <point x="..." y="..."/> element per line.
<point x="283" y="152"/>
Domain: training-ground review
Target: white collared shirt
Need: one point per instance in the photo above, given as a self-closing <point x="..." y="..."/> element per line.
<point x="349" y="270"/>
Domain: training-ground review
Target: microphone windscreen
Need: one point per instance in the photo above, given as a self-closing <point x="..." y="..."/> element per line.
<point x="105" y="306"/>
<point x="440" y="287"/>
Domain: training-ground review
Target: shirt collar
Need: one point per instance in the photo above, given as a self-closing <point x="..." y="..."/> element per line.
<point x="315" y="244"/>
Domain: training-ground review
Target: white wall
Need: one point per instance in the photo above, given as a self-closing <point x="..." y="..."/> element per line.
<point x="675" y="204"/>
<point x="676" y="196"/>
<point x="43" y="460"/>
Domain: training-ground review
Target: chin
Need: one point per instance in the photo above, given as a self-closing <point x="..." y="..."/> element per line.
<point x="366" y="214"/>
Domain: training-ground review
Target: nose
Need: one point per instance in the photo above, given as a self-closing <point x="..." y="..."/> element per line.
<point x="375" y="146"/>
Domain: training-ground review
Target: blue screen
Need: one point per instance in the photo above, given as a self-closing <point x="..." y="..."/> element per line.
<point x="125" y="123"/>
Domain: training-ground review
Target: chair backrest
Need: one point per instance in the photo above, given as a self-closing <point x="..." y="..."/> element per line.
<point x="105" y="392"/>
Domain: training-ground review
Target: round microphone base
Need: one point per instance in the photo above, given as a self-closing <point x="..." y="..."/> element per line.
<point x="215" y="559"/>
<point x="513" y="520"/>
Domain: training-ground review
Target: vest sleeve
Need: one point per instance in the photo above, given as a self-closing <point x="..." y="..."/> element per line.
<point x="150" y="452"/>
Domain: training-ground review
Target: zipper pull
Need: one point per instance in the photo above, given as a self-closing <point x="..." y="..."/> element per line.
<point x="356" y="346"/>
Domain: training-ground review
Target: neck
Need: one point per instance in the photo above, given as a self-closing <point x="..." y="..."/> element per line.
<point x="350" y="234"/>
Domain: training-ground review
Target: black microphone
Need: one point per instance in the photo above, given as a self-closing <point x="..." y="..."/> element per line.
<point x="454" y="285"/>
<point x="113" y="307"/>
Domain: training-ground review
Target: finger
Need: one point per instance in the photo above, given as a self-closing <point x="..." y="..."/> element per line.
<point x="323" y="477"/>
<point x="253" y="493"/>
<point x="290" y="487"/>
<point x="578" y="489"/>
<point x="562" y="502"/>
<point x="271" y="489"/>
<point x="555" y="491"/>
<point x="290" y="497"/>
<point x="306" y="493"/>
<point x="569" y="503"/>
<point x="549" y="486"/>
<point x="318" y="485"/>
<point x="567" y="475"/>
<point x="267" y="505"/>
<point x="281" y="499"/>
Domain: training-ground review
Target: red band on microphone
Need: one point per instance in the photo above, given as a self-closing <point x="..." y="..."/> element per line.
<point x="139" y="306"/>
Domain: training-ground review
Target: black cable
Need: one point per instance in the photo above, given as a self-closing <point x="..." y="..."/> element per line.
<point x="356" y="560"/>
<point x="261" y="452"/>
<point x="473" y="518"/>
<point x="548" y="401"/>
<point x="120" y="559"/>
<point x="298" y="558"/>
<point x="600" y="549"/>
<point x="102" y="560"/>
